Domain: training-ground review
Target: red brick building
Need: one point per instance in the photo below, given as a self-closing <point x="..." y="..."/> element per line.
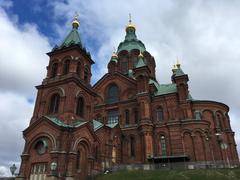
<point x="126" y="117"/>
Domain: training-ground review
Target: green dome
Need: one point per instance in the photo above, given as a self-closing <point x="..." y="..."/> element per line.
<point x="131" y="42"/>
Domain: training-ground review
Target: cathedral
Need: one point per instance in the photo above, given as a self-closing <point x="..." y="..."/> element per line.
<point x="126" y="118"/>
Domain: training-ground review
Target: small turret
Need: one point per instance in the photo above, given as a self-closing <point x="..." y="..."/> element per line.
<point x="181" y="80"/>
<point x="112" y="65"/>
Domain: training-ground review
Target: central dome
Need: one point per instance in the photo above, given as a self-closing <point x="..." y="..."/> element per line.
<point x="131" y="41"/>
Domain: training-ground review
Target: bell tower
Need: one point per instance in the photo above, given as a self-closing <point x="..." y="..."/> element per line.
<point x="66" y="91"/>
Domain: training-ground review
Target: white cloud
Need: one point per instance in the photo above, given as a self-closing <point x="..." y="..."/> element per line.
<point x="22" y="54"/>
<point x="22" y="62"/>
<point x="15" y="112"/>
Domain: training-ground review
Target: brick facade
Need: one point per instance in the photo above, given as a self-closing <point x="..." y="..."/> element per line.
<point x="139" y="120"/>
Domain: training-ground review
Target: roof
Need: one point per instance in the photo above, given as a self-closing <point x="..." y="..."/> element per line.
<point x="179" y="72"/>
<point x="97" y="125"/>
<point x="131" y="42"/>
<point x="113" y="125"/>
<point x="163" y="88"/>
<point x="59" y="122"/>
<point x="140" y="63"/>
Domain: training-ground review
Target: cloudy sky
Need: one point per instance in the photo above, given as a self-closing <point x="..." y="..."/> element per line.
<point x="204" y="35"/>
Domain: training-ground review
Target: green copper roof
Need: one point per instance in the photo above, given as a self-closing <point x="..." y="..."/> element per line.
<point x="59" y="122"/>
<point x="72" y="38"/>
<point x="140" y="63"/>
<point x="179" y="72"/>
<point x="112" y="125"/>
<point x="131" y="42"/>
<point x="163" y="88"/>
<point x="97" y="125"/>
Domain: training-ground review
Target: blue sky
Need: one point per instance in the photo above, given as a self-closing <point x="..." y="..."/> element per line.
<point x="205" y="35"/>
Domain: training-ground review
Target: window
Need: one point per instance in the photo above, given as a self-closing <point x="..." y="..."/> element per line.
<point x="80" y="107"/>
<point x="219" y="122"/>
<point x="163" y="145"/>
<point x="38" y="171"/>
<point x="66" y="67"/>
<point x="85" y="74"/>
<point x="112" y="117"/>
<point x="125" y="67"/>
<point x="41" y="147"/>
<point x="135" y="61"/>
<point x="54" y="70"/>
<point x="127" y="116"/>
<point x="112" y="95"/>
<point x="78" y="160"/>
<point x="159" y="113"/>
<point x="78" y="71"/>
<point x="132" y="146"/>
<point x="136" y="116"/>
<point x="54" y="103"/>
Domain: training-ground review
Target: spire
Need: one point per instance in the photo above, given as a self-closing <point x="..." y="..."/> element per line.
<point x="130" y="25"/>
<point x="114" y="57"/>
<point x="131" y="41"/>
<point x="177" y="71"/>
<point x="73" y="37"/>
<point x="75" y="22"/>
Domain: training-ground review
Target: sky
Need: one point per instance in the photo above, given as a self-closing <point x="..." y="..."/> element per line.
<point x="204" y="35"/>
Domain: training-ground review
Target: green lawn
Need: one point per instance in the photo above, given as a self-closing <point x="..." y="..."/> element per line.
<point x="199" y="174"/>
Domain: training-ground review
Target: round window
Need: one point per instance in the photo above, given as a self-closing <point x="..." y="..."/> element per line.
<point x="41" y="147"/>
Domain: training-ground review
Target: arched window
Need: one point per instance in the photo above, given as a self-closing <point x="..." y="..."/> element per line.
<point x="127" y="116"/>
<point x="159" y="114"/>
<point x="54" y="103"/>
<point x="163" y="148"/>
<point x="219" y="122"/>
<point x="112" y="95"/>
<point x="80" y="107"/>
<point x="132" y="146"/>
<point x="54" y="70"/>
<point x="66" y="67"/>
<point x="78" y="160"/>
<point x="78" y="69"/>
<point x="136" y="116"/>
<point x="86" y="74"/>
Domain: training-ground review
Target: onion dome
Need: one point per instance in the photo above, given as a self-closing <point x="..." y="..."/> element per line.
<point x="114" y="57"/>
<point x="131" y="41"/>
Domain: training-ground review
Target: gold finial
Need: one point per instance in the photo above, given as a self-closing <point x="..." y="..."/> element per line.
<point x="114" y="55"/>
<point x="178" y="64"/>
<point x="130" y="25"/>
<point x="140" y="55"/>
<point x="75" y="22"/>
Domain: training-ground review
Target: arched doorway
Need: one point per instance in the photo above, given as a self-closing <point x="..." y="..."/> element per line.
<point x="83" y="167"/>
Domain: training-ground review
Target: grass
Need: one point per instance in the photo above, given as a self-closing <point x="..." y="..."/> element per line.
<point x="199" y="174"/>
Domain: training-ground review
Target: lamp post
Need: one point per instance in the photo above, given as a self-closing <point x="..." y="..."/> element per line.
<point x="13" y="168"/>
<point x="53" y="168"/>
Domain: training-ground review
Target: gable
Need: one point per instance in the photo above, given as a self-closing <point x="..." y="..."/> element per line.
<point x="127" y="86"/>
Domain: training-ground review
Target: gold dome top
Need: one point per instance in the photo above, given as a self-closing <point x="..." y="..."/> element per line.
<point x="130" y="25"/>
<point x="114" y="55"/>
<point x="140" y="55"/>
<point x="75" y="22"/>
<point x="178" y="64"/>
